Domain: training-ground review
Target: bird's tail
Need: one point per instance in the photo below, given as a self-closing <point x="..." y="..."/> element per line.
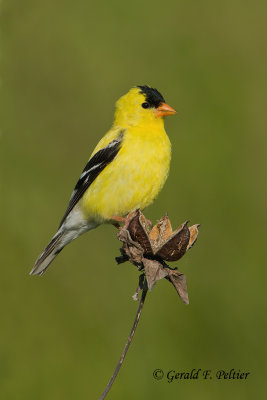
<point x="49" y="253"/>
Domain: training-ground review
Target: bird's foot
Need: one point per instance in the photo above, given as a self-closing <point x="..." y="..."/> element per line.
<point x="116" y="220"/>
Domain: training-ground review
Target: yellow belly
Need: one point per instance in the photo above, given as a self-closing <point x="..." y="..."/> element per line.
<point x="133" y="179"/>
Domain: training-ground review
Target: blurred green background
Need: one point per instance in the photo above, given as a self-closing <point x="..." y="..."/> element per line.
<point x="64" y="64"/>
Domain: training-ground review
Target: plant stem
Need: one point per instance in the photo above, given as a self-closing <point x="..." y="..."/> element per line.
<point x="129" y="340"/>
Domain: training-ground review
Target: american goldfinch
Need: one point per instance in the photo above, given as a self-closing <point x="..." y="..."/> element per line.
<point x="126" y="170"/>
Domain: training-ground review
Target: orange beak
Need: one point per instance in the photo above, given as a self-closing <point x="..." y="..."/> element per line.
<point x="163" y="110"/>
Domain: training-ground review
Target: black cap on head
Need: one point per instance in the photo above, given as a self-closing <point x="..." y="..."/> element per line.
<point x="153" y="97"/>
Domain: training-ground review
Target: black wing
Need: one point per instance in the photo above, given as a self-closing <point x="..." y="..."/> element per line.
<point x="92" y="169"/>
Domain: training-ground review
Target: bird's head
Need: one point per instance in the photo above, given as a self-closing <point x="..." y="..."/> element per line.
<point x="141" y="105"/>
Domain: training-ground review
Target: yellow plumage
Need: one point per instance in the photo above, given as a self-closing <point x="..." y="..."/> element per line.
<point x="136" y="176"/>
<point x="126" y="170"/>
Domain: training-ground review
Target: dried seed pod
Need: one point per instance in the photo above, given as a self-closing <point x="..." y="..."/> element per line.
<point x="138" y="229"/>
<point x="175" y="246"/>
<point x="149" y="249"/>
<point x="193" y="235"/>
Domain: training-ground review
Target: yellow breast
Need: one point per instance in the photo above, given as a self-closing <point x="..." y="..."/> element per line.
<point x="134" y="178"/>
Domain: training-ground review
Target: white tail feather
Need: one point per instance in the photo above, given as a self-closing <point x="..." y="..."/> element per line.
<point x="74" y="226"/>
<point x="48" y="255"/>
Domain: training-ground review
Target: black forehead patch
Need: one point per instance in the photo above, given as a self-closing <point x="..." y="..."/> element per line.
<point x="153" y="96"/>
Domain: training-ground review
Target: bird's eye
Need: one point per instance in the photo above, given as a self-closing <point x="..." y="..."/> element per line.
<point x="145" y="105"/>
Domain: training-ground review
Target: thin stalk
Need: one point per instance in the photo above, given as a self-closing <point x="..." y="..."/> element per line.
<point x="129" y="340"/>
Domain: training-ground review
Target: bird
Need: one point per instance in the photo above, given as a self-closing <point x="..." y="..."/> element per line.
<point x="126" y="170"/>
